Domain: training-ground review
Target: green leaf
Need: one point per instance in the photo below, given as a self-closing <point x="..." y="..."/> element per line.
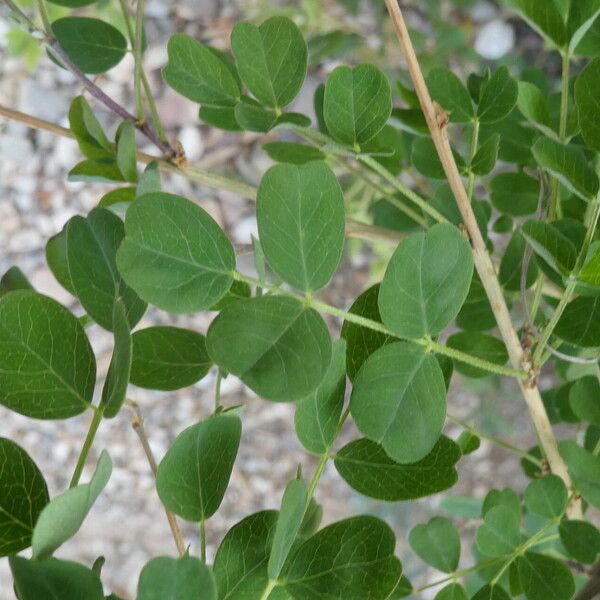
<point x="511" y="264"/>
<point x="238" y="291"/>
<point x="545" y="18"/>
<point x="504" y="497"/>
<point x="437" y="543"/>
<point x="185" y="578"/>
<point x="584" y="468"/>
<point x="63" y="516"/>
<point x="126" y="151"/>
<point x="590" y="273"/>
<point x="476" y="313"/>
<point x="72" y="3"/>
<point x="448" y="90"/>
<point x="56" y="257"/>
<point x="498" y="97"/>
<point x="569" y="165"/>
<point x="546" y="497"/>
<point x="425" y="159"/>
<point x="54" y="579"/>
<point x="551" y="245"/>
<point x="88" y="132"/>
<point x="469" y="442"/>
<point x="91" y="248"/>
<point x="515" y="194"/>
<point x="317" y="415"/>
<point x="582" y="16"/>
<point x="478" y="344"/>
<point x="588" y="104"/>
<point x="300" y="213"/>
<point x="47" y="366"/>
<point x="288" y="525"/>
<point x="222" y="117"/>
<point x="357" y="104"/>
<point x="271" y="59"/>
<point x="544" y="577"/>
<point x="426" y="282"/>
<point x="499" y="535"/>
<point x="361" y="341"/>
<point x="583" y="399"/>
<point x="399" y="401"/>
<point x="291" y="152"/>
<point x="581" y="540"/>
<point x="252" y="116"/>
<point x="13" y="280"/>
<point x="452" y="591"/>
<point x="484" y="161"/>
<point x="168" y="358"/>
<point x="369" y="470"/>
<point x="580" y="323"/>
<point x="351" y="558"/>
<point x="276" y="345"/>
<point x="193" y="476"/>
<point x="240" y="567"/>
<point x="123" y="196"/>
<point x="491" y="592"/>
<point x="533" y="105"/>
<point x="199" y="73"/>
<point x="23" y="495"/>
<point x="93" y="45"/>
<point x="117" y="377"/>
<point x="149" y="181"/>
<point x="102" y="170"/>
<point x="174" y="254"/>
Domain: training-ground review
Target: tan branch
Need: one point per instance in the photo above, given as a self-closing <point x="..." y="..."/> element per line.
<point x="137" y="422"/>
<point x="437" y="122"/>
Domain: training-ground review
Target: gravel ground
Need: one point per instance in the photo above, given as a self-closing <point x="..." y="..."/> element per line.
<point x="127" y="524"/>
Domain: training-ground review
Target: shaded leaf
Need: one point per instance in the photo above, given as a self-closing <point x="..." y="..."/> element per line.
<point x="91" y="248"/>
<point x="351" y="557"/>
<point x="47" y="367"/>
<point x="580" y="323"/>
<point x="185" y="578"/>
<point x="168" y="358"/>
<point x="499" y="535"/>
<point x="544" y="577"/>
<point x="581" y="540"/>
<point x="93" y="45"/>
<point x="498" y="97"/>
<point x="23" y="495"/>
<point x="584" y="468"/>
<point x="550" y="244"/>
<point x="369" y="470"/>
<point x="546" y="497"/>
<point x="278" y="347"/>
<point x="193" y="476"/>
<point x="515" y="194"/>
<point x="54" y="579"/>
<point x="478" y="344"/>
<point x="588" y="104"/>
<point x="399" y="401"/>
<point x="448" y="90"/>
<point x="317" y="416"/>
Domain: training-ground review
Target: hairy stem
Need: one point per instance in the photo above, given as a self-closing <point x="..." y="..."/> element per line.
<point x="428" y="344"/>
<point x="495" y="440"/>
<point x="137" y="423"/>
<point x="483" y="263"/>
<point x="87" y="444"/>
<point x="218" y="390"/>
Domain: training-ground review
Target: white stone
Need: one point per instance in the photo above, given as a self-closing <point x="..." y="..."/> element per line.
<point x="495" y="39"/>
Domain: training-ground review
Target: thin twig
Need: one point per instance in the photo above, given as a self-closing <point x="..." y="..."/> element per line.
<point x="137" y="422"/>
<point x="437" y="122"/>
<point x="199" y="175"/>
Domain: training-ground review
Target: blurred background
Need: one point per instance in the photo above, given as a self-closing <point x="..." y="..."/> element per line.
<point x="127" y="524"/>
